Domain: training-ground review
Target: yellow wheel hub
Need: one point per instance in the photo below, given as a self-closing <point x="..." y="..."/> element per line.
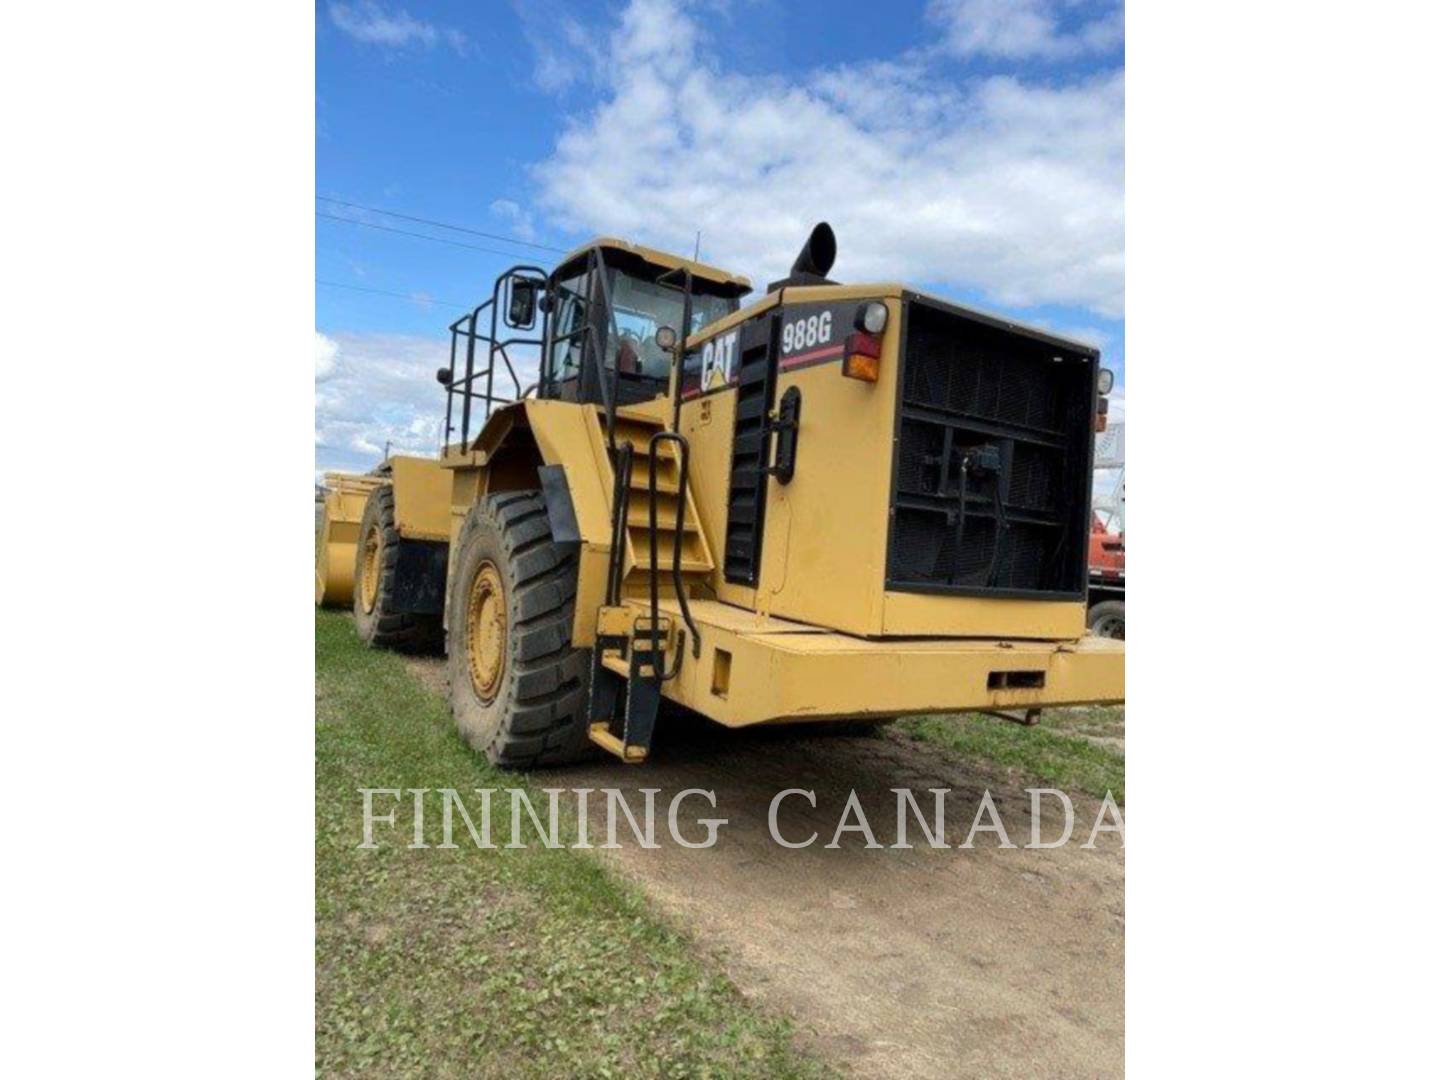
<point x="370" y="570"/>
<point x="485" y="631"/>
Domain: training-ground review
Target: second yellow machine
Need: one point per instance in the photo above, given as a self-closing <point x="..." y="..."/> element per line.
<point x="838" y="502"/>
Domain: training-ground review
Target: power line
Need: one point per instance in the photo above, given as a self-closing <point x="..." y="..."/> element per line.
<point x="417" y="235"/>
<point x="412" y="297"/>
<point x="440" y="224"/>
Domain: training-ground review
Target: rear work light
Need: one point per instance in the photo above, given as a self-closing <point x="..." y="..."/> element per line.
<point x="862" y="357"/>
<point x="871" y="317"/>
<point x="1104" y="383"/>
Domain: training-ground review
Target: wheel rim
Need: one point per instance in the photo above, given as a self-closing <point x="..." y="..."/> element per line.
<point x="485" y="631"/>
<point x="1112" y="626"/>
<point x="370" y="570"/>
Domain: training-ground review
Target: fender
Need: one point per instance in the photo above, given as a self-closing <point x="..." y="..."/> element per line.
<point x="558" y="448"/>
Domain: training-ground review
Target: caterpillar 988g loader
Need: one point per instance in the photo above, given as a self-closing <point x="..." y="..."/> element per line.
<point x="836" y="502"/>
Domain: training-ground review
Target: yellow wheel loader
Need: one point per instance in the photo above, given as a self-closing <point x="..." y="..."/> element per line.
<point x="837" y="502"/>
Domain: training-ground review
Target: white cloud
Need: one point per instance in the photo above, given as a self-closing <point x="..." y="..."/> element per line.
<point x="325" y="352"/>
<point x="1086" y="335"/>
<point x="372" y="24"/>
<point x="566" y="51"/>
<point x="996" y="184"/>
<point x="379" y="388"/>
<point x="1022" y="29"/>
<point x="518" y="220"/>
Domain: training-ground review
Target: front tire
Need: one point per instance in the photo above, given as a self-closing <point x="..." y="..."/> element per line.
<point x="377" y="620"/>
<point x="518" y="689"/>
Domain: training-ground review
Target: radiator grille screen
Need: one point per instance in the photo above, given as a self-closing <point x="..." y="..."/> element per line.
<point x="992" y="474"/>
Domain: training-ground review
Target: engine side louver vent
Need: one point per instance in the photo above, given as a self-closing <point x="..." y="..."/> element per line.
<point x="745" y="525"/>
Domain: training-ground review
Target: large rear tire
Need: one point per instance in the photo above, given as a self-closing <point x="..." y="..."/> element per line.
<point x="517" y="688"/>
<point x="377" y="621"/>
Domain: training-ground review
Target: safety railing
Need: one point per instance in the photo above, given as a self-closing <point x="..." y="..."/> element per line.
<point x="478" y="384"/>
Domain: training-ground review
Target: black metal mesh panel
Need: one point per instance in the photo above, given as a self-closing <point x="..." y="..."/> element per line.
<point x="992" y="468"/>
<point x="1034" y="477"/>
<point x="921" y="446"/>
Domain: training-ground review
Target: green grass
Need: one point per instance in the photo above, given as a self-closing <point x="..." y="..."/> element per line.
<point x="1071" y="749"/>
<point x="468" y="962"/>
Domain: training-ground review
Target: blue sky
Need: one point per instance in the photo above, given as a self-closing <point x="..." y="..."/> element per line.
<point x="970" y="147"/>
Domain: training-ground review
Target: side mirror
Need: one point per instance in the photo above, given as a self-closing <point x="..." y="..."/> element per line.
<point x="666" y="338"/>
<point x="442" y="376"/>
<point x="520" y="313"/>
<point x="1106" y="381"/>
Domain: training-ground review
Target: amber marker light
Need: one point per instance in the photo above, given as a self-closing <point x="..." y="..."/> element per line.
<point x="862" y="348"/>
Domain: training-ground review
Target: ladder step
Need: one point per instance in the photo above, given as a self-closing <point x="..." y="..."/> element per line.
<point x="638" y="516"/>
<point x="687" y="566"/>
<point x="664" y="546"/>
<point x="620" y="666"/>
<point x="600" y="735"/>
<point x="640" y="485"/>
<point x="640" y="470"/>
<point x="665" y="451"/>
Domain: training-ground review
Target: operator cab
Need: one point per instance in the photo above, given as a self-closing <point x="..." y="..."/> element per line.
<point x="600" y="326"/>
<point x="611" y="299"/>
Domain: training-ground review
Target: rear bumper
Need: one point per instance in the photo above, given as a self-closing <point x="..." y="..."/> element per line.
<point x="754" y="670"/>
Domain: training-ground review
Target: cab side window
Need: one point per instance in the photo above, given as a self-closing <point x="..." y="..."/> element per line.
<point x="567" y="339"/>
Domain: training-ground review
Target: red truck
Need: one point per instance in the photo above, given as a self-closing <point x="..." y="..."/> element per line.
<point x="1106" y="616"/>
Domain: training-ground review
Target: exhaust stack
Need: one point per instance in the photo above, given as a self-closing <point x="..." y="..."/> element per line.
<point x="813" y="262"/>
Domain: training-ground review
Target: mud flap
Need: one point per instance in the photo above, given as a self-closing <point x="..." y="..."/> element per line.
<point x="420" y="577"/>
<point x="560" y="508"/>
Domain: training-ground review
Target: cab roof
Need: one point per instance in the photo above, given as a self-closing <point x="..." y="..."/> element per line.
<point x="737" y="284"/>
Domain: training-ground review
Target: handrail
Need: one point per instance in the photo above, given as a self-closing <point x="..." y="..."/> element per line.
<point x="470" y="370"/>
<point x="657" y="666"/>
<point x="469" y="326"/>
<point x="624" y="463"/>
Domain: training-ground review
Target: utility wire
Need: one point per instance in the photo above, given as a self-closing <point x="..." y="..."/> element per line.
<point x="417" y="235"/>
<point x="439" y="224"/>
<point x="413" y="298"/>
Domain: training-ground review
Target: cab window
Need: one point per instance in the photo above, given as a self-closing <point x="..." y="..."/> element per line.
<point x="568" y="323"/>
<point x="641" y="308"/>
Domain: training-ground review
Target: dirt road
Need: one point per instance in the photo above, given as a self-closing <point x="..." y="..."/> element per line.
<point x="894" y="963"/>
